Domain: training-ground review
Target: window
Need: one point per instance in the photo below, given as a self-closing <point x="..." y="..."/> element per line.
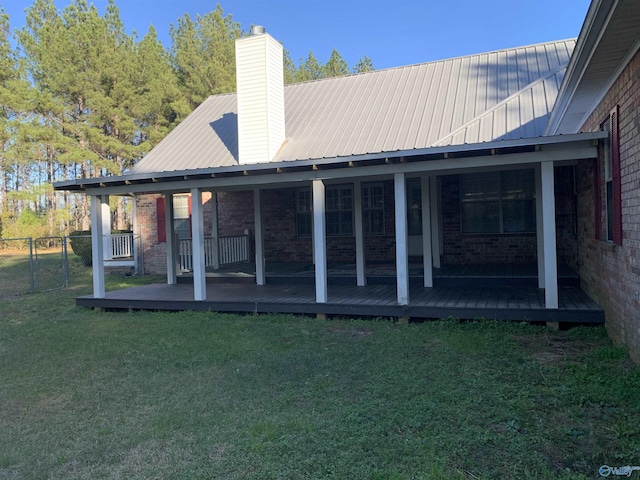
<point x="498" y="202"/>
<point x="414" y="207"/>
<point x="373" y="208"/>
<point x="339" y="210"/>
<point x="303" y="212"/>
<point x="182" y="216"/>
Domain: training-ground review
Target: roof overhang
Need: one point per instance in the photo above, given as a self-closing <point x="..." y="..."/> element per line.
<point x="436" y="160"/>
<point x="609" y="38"/>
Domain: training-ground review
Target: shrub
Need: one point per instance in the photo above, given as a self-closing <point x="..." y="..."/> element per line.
<point x="80" y="241"/>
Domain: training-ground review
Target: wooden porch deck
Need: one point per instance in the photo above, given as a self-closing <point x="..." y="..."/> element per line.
<point x="517" y="303"/>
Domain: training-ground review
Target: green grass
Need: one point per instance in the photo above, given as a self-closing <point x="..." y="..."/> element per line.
<point x="88" y="394"/>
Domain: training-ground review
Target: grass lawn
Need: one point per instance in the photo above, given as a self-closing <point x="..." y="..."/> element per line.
<point x="88" y="394"/>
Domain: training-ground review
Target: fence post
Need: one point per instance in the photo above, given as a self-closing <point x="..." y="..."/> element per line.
<point x="65" y="263"/>
<point x="32" y="283"/>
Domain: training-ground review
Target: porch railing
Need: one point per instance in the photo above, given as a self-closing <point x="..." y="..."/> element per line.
<point x="231" y="249"/>
<point x="121" y="245"/>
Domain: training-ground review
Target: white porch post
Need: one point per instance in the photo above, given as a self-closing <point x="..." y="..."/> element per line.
<point x="402" y="259"/>
<point x="106" y="228"/>
<point x="97" y="245"/>
<point x="539" y="227"/>
<point x="197" y="237"/>
<point x="425" y="197"/>
<point x="361" y="277"/>
<point x="549" y="232"/>
<point x="171" y="241"/>
<point x="435" y="226"/>
<point x="319" y="241"/>
<point x="215" y="247"/>
<point x="259" y="237"/>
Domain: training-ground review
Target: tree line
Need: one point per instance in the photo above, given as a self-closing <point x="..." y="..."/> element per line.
<point x="81" y="98"/>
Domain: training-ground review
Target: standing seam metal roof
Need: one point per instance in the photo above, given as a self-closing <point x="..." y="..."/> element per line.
<point x="505" y="94"/>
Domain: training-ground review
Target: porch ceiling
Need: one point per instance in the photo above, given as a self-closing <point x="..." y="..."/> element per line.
<point x="437" y="160"/>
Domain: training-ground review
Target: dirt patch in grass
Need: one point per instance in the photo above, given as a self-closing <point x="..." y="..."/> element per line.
<point x="553" y="349"/>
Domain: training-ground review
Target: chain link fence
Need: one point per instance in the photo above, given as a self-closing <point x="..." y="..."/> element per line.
<point x="30" y="265"/>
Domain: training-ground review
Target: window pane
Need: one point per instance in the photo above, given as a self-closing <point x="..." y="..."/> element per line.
<point x="373" y="208"/>
<point x="304" y="224"/>
<point x="480" y="186"/>
<point x="181" y="206"/>
<point x="481" y="217"/>
<point x="519" y="216"/>
<point x="517" y="184"/>
<point x="182" y="227"/>
<point x="415" y="221"/>
<point x="414" y="207"/>
<point x="303" y="200"/>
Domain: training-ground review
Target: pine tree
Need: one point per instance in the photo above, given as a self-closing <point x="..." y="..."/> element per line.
<point x="336" y="66"/>
<point x="203" y="54"/>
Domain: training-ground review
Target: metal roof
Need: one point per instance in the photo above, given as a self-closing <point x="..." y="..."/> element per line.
<point x="505" y="94"/>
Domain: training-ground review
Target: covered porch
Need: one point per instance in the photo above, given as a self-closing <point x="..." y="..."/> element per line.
<point x="414" y="289"/>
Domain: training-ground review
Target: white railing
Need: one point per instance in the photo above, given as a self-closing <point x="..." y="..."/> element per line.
<point x="232" y="249"/>
<point x="121" y="245"/>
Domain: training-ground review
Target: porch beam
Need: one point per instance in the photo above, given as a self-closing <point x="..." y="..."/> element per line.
<point x="434" y="167"/>
<point x="402" y="259"/>
<point x="97" y="244"/>
<point x="435" y="224"/>
<point x="259" y="237"/>
<point x="197" y="234"/>
<point x="361" y="277"/>
<point x="549" y="233"/>
<point x="425" y="197"/>
<point x="319" y="240"/>
<point x="171" y="241"/>
<point x="215" y="247"/>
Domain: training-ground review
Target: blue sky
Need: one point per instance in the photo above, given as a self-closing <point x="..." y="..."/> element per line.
<point x="391" y="33"/>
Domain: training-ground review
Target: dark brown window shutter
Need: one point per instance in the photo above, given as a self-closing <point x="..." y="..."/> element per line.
<point x="597" y="199"/>
<point x="160" y="220"/>
<point x="616" y="182"/>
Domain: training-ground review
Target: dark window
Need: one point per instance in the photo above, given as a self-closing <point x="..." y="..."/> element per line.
<point x="303" y="212"/>
<point x="338" y="211"/>
<point x="414" y="207"/>
<point x="498" y="202"/>
<point x="373" y="208"/>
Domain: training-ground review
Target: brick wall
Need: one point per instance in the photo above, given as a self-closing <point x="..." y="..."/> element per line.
<point x="282" y="244"/>
<point x="506" y="248"/>
<point x="611" y="273"/>
<point x="155" y="252"/>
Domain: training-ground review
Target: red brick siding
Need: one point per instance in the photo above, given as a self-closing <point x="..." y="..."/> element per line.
<point x="505" y="248"/>
<point x="154" y="252"/>
<point x="611" y="273"/>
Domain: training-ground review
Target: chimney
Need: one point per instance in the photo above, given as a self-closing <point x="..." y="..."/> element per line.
<point x="260" y="82"/>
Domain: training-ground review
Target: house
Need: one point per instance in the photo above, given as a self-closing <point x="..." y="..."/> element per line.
<point x="520" y="157"/>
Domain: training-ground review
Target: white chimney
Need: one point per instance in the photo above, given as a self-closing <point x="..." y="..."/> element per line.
<point x="260" y="81"/>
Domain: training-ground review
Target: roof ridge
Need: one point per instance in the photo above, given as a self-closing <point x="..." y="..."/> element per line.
<point x="442" y="60"/>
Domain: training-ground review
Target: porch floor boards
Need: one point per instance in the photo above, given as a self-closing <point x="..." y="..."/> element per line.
<point x="518" y="303"/>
